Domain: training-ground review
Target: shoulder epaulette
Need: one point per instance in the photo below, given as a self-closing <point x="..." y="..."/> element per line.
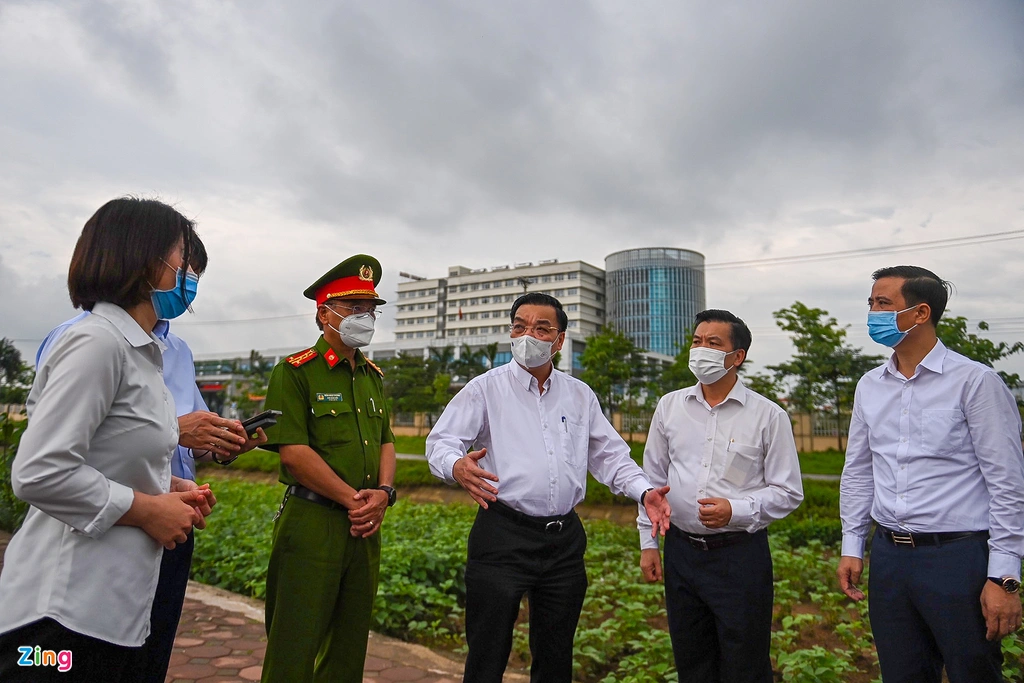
<point x="302" y="357"/>
<point x="375" y="367"/>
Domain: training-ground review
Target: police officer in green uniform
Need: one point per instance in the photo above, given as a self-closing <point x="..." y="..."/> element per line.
<point x="338" y="462"/>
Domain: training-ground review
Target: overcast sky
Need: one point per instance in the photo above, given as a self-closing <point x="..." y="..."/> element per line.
<point x="434" y="133"/>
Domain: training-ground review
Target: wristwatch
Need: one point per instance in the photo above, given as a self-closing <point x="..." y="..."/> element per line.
<point x="1007" y="583"/>
<point x="392" y="494"/>
<point x="644" y="495"/>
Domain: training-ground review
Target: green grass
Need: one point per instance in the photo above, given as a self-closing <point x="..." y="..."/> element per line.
<point x="822" y="462"/>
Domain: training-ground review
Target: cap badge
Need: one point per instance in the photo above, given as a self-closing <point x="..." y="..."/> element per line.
<point x="366" y="273"/>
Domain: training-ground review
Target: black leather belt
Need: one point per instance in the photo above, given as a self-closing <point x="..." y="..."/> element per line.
<point x="912" y="540"/>
<point x="550" y="525"/>
<point x="712" y="541"/>
<point x="300" y="491"/>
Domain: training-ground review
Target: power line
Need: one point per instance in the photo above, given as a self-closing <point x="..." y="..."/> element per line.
<point x="771" y="261"/>
<point x="870" y="251"/>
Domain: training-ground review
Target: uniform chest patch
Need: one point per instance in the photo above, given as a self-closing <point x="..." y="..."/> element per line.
<point x="329" y="398"/>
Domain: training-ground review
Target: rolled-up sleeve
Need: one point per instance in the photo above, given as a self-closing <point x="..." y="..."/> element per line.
<point x="71" y="398"/>
<point x="456" y="431"/>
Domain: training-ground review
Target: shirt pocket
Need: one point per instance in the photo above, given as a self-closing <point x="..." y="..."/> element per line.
<point x="943" y="431"/>
<point x="575" y="444"/>
<point x="742" y="463"/>
<point x="332" y="423"/>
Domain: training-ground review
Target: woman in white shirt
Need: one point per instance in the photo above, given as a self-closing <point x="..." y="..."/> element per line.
<point x="94" y="463"/>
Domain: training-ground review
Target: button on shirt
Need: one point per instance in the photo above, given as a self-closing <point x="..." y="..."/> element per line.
<point x="179" y="374"/>
<point x="937" y="452"/>
<point x="540" y="446"/>
<point x="741" y="449"/>
<point x="101" y="426"/>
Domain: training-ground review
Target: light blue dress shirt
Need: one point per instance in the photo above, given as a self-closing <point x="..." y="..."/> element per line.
<point x="179" y="376"/>
<point x="940" y="451"/>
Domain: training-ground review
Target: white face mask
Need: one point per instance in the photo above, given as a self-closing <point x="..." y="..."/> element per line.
<point x="355" y="331"/>
<point x="531" y="352"/>
<point x="708" y="365"/>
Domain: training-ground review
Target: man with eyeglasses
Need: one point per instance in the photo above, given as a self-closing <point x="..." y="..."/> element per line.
<point x="338" y="462"/>
<point x="520" y="439"/>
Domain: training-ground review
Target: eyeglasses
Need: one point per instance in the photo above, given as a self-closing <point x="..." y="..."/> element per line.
<point x="357" y="309"/>
<point x="519" y="329"/>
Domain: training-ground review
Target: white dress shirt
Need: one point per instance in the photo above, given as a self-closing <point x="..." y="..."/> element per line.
<point x="937" y="452"/>
<point x="540" y="446"/>
<point x="179" y="376"/>
<point x="101" y="426"/>
<point x="741" y="449"/>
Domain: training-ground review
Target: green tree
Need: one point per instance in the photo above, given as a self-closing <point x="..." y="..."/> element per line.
<point x="490" y="354"/>
<point x="677" y="375"/>
<point x="952" y="331"/>
<point x="612" y="366"/>
<point x="409" y="384"/>
<point x="16" y="377"/>
<point x="443" y="358"/>
<point x="823" y="374"/>
<point x="470" y="363"/>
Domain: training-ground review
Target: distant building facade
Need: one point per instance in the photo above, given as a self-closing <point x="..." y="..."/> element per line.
<point x="653" y="294"/>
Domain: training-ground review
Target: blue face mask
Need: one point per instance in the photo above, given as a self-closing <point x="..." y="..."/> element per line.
<point x="169" y="303"/>
<point x="882" y="327"/>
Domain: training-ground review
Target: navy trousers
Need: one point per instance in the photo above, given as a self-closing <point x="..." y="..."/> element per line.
<point x="151" y="665"/>
<point x="719" y="605"/>
<point x="925" y="612"/>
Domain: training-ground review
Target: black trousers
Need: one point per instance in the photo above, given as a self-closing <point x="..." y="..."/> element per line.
<point x="151" y="666"/>
<point x="719" y="605"/>
<point x="925" y="610"/>
<point x="91" y="659"/>
<point x="506" y="561"/>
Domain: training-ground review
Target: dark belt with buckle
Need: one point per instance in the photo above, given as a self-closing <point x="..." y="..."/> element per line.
<point x="712" y="541"/>
<point x="550" y="525"/>
<point x="908" y="539"/>
<point x="300" y="491"/>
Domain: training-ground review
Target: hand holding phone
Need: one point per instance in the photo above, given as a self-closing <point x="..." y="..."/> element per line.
<point x="265" y="419"/>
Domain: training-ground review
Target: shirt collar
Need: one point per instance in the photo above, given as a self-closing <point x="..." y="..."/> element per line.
<point x="161" y="329"/>
<point x="738" y="393"/>
<point x="332" y="357"/>
<point x="125" y="324"/>
<point x="932" y="361"/>
<point x="524" y="377"/>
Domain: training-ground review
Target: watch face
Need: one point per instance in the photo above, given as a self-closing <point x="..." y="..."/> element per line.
<point x="1011" y="585"/>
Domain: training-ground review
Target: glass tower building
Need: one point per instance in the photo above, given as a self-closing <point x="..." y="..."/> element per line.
<point x="653" y="295"/>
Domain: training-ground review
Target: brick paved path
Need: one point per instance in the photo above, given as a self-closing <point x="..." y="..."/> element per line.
<point x="221" y="638"/>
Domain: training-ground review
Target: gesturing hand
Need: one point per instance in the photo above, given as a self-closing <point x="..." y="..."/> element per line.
<point x="474" y="478"/>
<point x="714" y="513"/>
<point x="658" y="510"/>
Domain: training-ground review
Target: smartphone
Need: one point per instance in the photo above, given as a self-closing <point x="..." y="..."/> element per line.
<point x="264" y="419"/>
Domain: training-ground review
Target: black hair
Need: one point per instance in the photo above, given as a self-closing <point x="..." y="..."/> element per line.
<point x="198" y="259"/>
<point x="122" y="249"/>
<point x="538" y="299"/>
<point x="739" y="333"/>
<point x="920" y="286"/>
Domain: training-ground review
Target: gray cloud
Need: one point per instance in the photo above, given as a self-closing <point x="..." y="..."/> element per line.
<point x="452" y="132"/>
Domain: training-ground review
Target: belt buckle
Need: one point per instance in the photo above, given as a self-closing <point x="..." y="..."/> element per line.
<point x="699" y="541"/>
<point x="553" y="527"/>
<point x="903" y="539"/>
